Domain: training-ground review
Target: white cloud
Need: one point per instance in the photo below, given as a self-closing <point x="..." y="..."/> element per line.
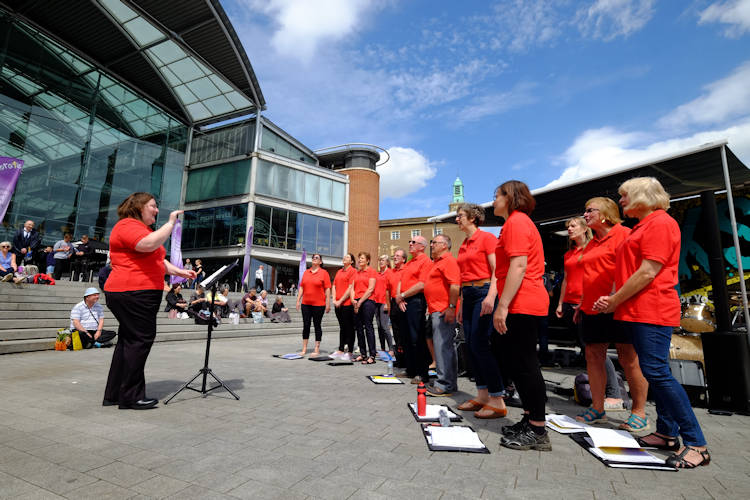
<point x="302" y="25"/>
<point x="723" y="99"/>
<point x="735" y="13"/>
<point x="598" y="151"/>
<point x="608" y="19"/>
<point x="496" y="103"/>
<point x="406" y="172"/>
<point x="525" y="23"/>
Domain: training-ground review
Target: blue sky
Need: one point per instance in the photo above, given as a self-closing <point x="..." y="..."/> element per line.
<point x="541" y="91"/>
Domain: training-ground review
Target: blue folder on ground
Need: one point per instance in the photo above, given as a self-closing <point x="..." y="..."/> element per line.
<point x="291" y="355"/>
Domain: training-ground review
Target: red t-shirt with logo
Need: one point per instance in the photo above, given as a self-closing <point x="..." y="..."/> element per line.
<point x="314" y="286"/>
<point x="342" y="281"/>
<point x="472" y="256"/>
<point x="444" y="273"/>
<point x="362" y="281"/>
<point x="598" y="263"/>
<point x="133" y="270"/>
<point x="657" y="238"/>
<point x="394" y="277"/>
<point x="381" y="284"/>
<point x="415" y="270"/>
<point x="573" y="276"/>
<point x="520" y="236"/>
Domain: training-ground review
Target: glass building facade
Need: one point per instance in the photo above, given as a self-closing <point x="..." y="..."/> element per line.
<point x="87" y="140"/>
<point x="281" y="228"/>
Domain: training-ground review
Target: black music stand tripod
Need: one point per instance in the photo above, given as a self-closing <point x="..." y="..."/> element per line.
<point x="212" y="282"/>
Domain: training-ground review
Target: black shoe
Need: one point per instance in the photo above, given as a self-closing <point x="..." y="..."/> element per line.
<point x="142" y="404"/>
<point x="109" y="402"/>
<point x="527" y="439"/>
<point x="513" y="401"/>
<point x="511" y="430"/>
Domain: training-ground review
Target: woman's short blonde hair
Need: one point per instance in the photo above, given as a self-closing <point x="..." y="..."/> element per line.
<point x="609" y="210"/>
<point x="588" y="235"/>
<point x="645" y="192"/>
<point x="474" y="213"/>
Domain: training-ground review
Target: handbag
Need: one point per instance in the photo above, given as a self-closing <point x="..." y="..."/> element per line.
<point x="172" y="313"/>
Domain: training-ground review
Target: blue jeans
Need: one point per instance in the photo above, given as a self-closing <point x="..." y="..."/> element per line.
<point x="675" y="415"/>
<point x="477" y="332"/>
<point x="445" y="353"/>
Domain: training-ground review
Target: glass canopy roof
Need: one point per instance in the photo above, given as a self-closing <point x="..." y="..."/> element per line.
<point x="203" y="93"/>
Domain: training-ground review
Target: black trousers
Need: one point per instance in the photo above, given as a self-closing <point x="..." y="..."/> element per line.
<point x="518" y="350"/>
<point x="415" y="343"/>
<point x="345" y="315"/>
<point x="365" y="330"/>
<point x="398" y="334"/>
<point x="61" y="266"/>
<point x="314" y="314"/>
<point x="87" y="340"/>
<point x="136" y="312"/>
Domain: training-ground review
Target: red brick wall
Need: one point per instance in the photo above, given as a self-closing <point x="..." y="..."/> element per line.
<point x="364" y="203"/>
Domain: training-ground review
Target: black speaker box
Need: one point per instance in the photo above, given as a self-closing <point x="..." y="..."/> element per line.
<point x="727" y="358"/>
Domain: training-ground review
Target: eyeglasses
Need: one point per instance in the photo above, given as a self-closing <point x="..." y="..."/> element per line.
<point x="590" y="209"/>
<point x="5" y="246"/>
<point x="415" y="242"/>
<point x="435" y="242"/>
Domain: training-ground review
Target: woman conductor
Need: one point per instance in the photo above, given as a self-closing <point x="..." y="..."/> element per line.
<point x="134" y="290"/>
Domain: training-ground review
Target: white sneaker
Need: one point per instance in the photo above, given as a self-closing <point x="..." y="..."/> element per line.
<point x="345" y="357"/>
<point x="7" y="277"/>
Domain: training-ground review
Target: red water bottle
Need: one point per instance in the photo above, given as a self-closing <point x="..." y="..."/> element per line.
<point x="421" y="400"/>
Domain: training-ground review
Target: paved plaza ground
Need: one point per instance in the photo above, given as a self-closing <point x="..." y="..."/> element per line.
<point x="300" y="430"/>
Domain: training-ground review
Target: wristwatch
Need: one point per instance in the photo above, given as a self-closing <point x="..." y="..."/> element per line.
<point x="452" y="306"/>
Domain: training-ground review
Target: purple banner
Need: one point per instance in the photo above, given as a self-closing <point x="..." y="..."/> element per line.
<point x="10" y="170"/>
<point x="302" y="266"/>
<point x="246" y="261"/>
<point x="175" y="254"/>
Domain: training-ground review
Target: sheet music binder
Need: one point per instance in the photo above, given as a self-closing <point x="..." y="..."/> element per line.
<point x="580" y="438"/>
<point x="425" y="433"/>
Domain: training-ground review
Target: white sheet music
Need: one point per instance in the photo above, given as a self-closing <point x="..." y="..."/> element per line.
<point x="454" y="437"/>
<point x="208" y="281"/>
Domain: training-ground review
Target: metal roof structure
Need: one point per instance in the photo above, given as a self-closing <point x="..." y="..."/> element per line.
<point x="682" y="174"/>
<point x="184" y="56"/>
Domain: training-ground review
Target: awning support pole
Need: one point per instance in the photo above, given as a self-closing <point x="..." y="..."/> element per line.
<point x="736" y="239"/>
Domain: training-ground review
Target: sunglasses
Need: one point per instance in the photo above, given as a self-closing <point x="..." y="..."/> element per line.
<point x="5" y="246"/>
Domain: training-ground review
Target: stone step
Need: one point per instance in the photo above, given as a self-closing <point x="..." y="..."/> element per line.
<point x="18" y="346"/>
<point x="183" y="326"/>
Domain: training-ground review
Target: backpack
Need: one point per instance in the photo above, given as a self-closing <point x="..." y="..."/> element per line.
<point x="43" y="279"/>
<point x="582" y="389"/>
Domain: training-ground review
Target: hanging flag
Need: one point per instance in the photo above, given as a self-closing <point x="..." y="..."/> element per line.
<point x="175" y="254"/>
<point x="10" y="170"/>
<point x="248" y="246"/>
<point x="302" y="266"/>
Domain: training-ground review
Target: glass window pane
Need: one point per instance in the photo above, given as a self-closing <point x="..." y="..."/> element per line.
<point x="278" y="228"/>
<point x="261" y="225"/>
<point x="338" y="203"/>
<point x="311" y="189"/>
<point x="337" y="237"/>
<point x="222" y="224"/>
<point x="204" y="225"/>
<point x="323" y="242"/>
<point x="239" y="218"/>
<point x="326" y="185"/>
<point x="296" y="186"/>
<point x="264" y="179"/>
<point x="291" y="231"/>
<point x="309" y="227"/>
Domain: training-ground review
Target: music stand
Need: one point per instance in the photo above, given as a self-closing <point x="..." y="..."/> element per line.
<point x="211" y="282"/>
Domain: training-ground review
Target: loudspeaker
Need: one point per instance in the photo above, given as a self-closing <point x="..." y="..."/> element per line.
<point x="727" y="358"/>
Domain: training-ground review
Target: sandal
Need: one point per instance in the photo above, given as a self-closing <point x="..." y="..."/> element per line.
<point x="667" y="443"/>
<point x="359" y="358"/>
<point x="494" y="412"/>
<point x="591" y="416"/>
<point x="470" y="405"/>
<point x="677" y="460"/>
<point x="368" y="361"/>
<point x="635" y="424"/>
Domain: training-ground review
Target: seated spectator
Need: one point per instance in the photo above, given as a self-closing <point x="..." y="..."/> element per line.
<point x="88" y="318"/>
<point x="221" y="303"/>
<point x="264" y="303"/>
<point x="250" y="302"/>
<point x="198" y="300"/>
<point x="63" y="250"/>
<point x="50" y="261"/>
<point x="280" y="290"/>
<point x="279" y="312"/>
<point x="8" y="266"/>
<point x="175" y="302"/>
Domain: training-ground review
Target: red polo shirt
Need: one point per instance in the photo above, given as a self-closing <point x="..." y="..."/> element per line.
<point x="314" y="286"/>
<point x="573" y="276"/>
<point x="362" y="281"/>
<point x="131" y="269"/>
<point x="381" y="284"/>
<point x="472" y="256"/>
<point x="443" y="274"/>
<point x="599" y="266"/>
<point x="342" y="281"/>
<point x="394" y="277"/>
<point x="520" y="236"/>
<point x="656" y="237"/>
<point x="415" y="270"/>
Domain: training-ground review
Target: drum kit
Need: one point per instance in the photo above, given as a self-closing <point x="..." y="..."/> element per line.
<point x="696" y="319"/>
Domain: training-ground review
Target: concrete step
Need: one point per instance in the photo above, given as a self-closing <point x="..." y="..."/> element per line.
<point x="28" y="345"/>
<point x="58" y="319"/>
<point x="182" y="326"/>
